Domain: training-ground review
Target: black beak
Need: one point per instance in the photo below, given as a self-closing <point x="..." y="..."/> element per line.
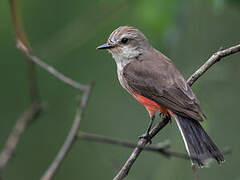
<point x="106" y="46"/>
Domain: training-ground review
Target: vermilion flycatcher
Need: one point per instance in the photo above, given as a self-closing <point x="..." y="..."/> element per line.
<point x="152" y="78"/>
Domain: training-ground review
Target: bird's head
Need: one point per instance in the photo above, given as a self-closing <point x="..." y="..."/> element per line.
<point x="126" y="43"/>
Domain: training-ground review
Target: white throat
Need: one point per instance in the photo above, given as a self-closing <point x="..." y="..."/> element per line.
<point x="120" y="61"/>
<point x="127" y="55"/>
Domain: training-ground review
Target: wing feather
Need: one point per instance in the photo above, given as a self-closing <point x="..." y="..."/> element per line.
<point x="156" y="78"/>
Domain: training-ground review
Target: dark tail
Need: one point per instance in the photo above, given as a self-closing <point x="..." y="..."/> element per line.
<point x="199" y="146"/>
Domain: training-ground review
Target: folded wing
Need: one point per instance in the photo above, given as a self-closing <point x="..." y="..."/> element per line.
<point x="158" y="79"/>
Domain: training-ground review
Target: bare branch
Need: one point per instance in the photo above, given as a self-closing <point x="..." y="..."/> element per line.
<point x="55" y="73"/>
<point x="160" y="148"/>
<point x="21" y="37"/>
<point x="142" y="142"/>
<point x="154" y="148"/>
<point x="32" y="81"/>
<point x="35" y="108"/>
<point x="24" y="46"/>
<point x="211" y="61"/>
<point x="17" y="23"/>
<point x="18" y="129"/>
<point x="70" y="138"/>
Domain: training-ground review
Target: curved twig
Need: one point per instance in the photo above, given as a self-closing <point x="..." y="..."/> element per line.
<point x="16" y="132"/>
<point x="211" y="61"/>
<point x="70" y="138"/>
<point x="24" y="45"/>
<point x="30" y="114"/>
<point x="51" y="69"/>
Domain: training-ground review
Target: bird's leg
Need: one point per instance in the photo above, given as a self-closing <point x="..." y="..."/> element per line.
<point x="146" y="134"/>
<point x="160" y="114"/>
<point x="167" y="117"/>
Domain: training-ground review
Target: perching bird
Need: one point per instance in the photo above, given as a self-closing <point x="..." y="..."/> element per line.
<point x="153" y="80"/>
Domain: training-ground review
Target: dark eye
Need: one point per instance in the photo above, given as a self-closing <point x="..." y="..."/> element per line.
<point x="124" y="40"/>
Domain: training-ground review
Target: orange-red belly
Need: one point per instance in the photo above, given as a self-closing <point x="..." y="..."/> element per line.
<point x="151" y="106"/>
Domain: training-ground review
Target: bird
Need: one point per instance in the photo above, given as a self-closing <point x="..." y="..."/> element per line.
<point x="155" y="82"/>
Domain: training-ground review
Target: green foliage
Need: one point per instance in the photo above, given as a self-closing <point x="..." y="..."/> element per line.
<point x="157" y="14"/>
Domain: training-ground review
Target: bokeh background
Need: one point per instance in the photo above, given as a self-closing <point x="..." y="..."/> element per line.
<point x="65" y="35"/>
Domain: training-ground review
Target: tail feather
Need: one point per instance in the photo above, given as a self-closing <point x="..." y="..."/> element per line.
<point x="198" y="144"/>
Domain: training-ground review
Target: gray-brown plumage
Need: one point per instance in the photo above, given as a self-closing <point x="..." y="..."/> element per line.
<point x="156" y="78"/>
<point x="156" y="83"/>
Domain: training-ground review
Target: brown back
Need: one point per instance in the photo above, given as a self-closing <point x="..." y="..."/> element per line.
<point x="154" y="76"/>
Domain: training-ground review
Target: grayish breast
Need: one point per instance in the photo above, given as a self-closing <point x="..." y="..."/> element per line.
<point x="121" y="63"/>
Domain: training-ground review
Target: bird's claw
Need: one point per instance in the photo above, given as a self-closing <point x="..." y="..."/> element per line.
<point x="147" y="137"/>
<point x="168" y="117"/>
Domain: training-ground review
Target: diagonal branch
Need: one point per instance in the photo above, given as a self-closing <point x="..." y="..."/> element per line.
<point x="21" y="37"/>
<point x="142" y="142"/>
<point x="70" y="138"/>
<point x="17" y="130"/>
<point x="31" y="113"/>
<point x="53" y="71"/>
<point x="136" y="152"/>
<point x="24" y="45"/>
<point x="216" y="57"/>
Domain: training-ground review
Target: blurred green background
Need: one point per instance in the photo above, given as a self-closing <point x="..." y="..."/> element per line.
<point x="65" y="35"/>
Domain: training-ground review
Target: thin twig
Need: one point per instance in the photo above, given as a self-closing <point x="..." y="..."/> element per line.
<point x="211" y="61"/>
<point x="195" y="171"/>
<point x="142" y="142"/>
<point x="21" y="37"/>
<point x="31" y="113"/>
<point x="24" y="45"/>
<point x="17" y="130"/>
<point x="32" y="81"/>
<point x="51" y="69"/>
<point x="161" y="148"/>
<point x="70" y="138"/>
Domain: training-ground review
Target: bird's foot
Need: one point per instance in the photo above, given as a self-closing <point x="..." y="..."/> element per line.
<point x="167" y="117"/>
<point x="160" y="114"/>
<point x="147" y="137"/>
